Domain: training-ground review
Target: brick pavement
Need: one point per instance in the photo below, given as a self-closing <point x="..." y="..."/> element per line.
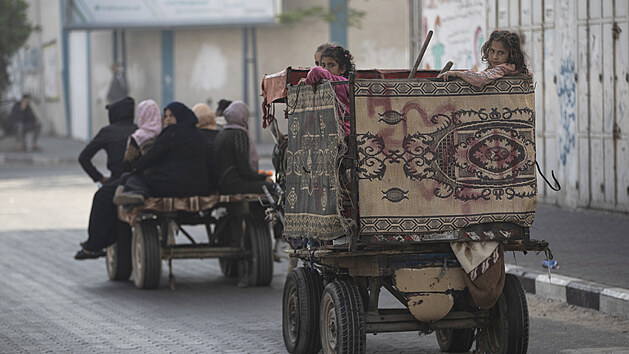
<point x="589" y="245"/>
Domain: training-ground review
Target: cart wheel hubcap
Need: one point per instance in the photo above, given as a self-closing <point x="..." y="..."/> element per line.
<point x="293" y="316"/>
<point x="331" y="327"/>
<point x="493" y="331"/>
<point x="111" y="257"/>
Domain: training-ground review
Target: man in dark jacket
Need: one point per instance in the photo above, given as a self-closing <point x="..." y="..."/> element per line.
<point x="112" y="139"/>
<point x="22" y="120"/>
<point x="118" y="88"/>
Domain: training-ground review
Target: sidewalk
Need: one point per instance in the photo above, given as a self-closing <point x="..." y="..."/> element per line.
<point x="591" y="247"/>
<point x="63" y="151"/>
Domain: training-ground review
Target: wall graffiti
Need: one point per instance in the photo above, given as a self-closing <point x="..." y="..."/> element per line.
<point x="459" y="27"/>
<point x="566" y="91"/>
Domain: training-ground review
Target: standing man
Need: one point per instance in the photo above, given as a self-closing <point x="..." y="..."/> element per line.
<point x="23" y="120"/>
<point x="118" y="88"/>
<point x="112" y="139"/>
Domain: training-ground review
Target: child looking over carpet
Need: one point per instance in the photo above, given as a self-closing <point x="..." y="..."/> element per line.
<point x="504" y="56"/>
<point x="336" y="63"/>
<point x="319" y="51"/>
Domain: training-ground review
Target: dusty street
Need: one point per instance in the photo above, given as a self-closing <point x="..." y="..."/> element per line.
<point x="52" y="303"/>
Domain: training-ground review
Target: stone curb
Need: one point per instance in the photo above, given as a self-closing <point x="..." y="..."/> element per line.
<point x="609" y="300"/>
<point x="35" y="160"/>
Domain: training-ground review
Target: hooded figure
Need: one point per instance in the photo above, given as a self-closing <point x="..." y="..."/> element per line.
<point x="236" y="154"/>
<point x="104" y="227"/>
<point x="207" y="124"/>
<point x="178" y="159"/>
<point x="112" y="138"/>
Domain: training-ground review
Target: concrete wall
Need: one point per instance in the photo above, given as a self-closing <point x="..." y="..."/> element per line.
<point x="27" y="69"/>
<point x="208" y="63"/>
<point x="382" y="41"/>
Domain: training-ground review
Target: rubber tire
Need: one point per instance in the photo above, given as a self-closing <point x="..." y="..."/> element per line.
<point x="229" y="267"/>
<point x="342" y="322"/>
<point x="146" y="255"/>
<point x="300" y="311"/>
<point x="260" y="263"/>
<point x="455" y="340"/>
<point x="512" y="315"/>
<point x="118" y="260"/>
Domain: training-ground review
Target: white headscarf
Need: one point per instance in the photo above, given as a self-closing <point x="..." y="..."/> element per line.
<point x="149" y="122"/>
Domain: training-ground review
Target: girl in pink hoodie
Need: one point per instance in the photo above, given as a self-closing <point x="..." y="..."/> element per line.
<point x="335" y="65"/>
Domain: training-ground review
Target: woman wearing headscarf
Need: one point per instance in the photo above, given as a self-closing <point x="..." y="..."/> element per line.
<point x="237" y="155"/>
<point x="177" y="161"/>
<point x="207" y="125"/>
<point x="149" y="127"/>
<point x="104" y="227"/>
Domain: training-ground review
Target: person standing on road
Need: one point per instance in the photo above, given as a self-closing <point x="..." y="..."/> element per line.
<point x="22" y="120"/>
<point x="112" y="139"/>
<point x="118" y="88"/>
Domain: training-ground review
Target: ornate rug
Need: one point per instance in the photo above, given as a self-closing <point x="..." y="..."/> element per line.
<point x="312" y="187"/>
<point x="437" y="156"/>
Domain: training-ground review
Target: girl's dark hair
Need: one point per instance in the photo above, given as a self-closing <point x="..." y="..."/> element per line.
<point x="342" y="57"/>
<point x="512" y="41"/>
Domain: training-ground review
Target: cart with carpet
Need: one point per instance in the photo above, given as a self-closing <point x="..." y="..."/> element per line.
<point x="435" y="182"/>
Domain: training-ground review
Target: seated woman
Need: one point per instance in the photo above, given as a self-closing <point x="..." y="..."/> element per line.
<point x="177" y="162"/>
<point x="237" y="156"/>
<point x="104" y="227"/>
<point x="207" y="124"/>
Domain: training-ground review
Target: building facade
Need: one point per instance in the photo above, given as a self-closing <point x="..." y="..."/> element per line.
<point x="578" y="52"/>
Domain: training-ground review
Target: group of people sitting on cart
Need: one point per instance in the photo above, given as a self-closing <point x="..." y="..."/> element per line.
<point x="181" y="154"/>
<point x="184" y="154"/>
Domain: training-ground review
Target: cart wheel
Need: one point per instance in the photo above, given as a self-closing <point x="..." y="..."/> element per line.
<point x="509" y="329"/>
<point x="455" y="340"/>
<point x="229" y="267"/>
<point x="342" y="322"/>
<point x="300" y="311"/>
<point x="145" y="250"/>
<point x="260" y="264"/>
<point x="119" y="259"/>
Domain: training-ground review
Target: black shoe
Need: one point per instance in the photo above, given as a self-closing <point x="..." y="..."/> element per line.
<point x="85" y="254"/>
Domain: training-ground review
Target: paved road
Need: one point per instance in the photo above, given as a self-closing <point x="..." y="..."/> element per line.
<point x="52" y="303"/>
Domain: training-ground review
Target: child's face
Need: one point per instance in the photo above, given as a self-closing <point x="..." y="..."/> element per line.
<point x="497" y="54"/>
<point x="169" y="118"/>
<point x="317" y="57"/>
<point x="332" y="66"/>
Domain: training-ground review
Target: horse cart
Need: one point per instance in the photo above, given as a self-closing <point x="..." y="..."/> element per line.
<point x="435" y="182"/>
<point x="237" y="232"/>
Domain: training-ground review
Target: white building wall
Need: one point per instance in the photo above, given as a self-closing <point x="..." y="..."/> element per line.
<point x="578" y="52"/>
